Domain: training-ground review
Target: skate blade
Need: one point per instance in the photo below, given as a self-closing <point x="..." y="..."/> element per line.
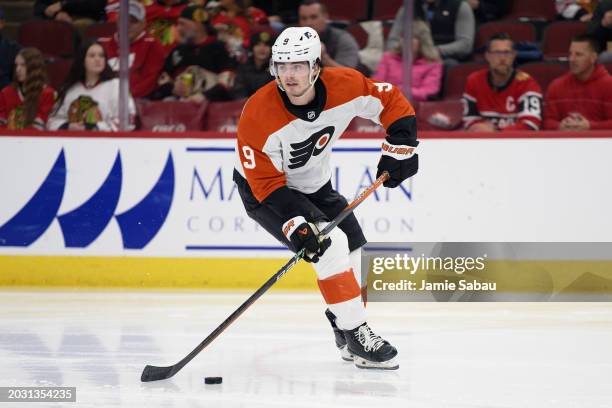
<point x="373" y="365"/>
<point x="346" y="354"/>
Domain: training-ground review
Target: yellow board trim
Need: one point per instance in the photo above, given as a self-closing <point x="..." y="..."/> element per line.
<point x="131" y="272"/>
<point x="251" y="273"/>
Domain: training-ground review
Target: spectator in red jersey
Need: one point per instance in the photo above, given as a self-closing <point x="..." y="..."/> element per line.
<point x="146" y="57"/>
<point x="234" y="21"/>
<point x="198" y="46"/>
<point x="162" y="16"/>
<point x="500" y="97"/>
<point x="27" y="102"/>
<point x="580" y="99"/>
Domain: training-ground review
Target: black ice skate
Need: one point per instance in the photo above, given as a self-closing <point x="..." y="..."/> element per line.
<point x="370" y="350"/>
<point x="339" y="336"/>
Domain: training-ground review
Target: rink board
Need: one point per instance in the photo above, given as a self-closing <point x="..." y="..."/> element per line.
<point x="161" y="210"/>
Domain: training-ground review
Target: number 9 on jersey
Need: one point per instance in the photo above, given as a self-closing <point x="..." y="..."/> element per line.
<point x="249" y="155"/>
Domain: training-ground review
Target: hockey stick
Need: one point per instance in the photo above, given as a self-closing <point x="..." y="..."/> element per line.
<point x="153" y="373"/>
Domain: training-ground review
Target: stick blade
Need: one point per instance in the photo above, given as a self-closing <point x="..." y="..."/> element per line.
<point x="153" y="373"/>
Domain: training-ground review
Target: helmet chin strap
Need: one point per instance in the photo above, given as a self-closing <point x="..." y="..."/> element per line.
<point x="310" y="79"/>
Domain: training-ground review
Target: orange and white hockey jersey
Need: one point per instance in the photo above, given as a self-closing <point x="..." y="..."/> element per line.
<point x="280" y="144"/>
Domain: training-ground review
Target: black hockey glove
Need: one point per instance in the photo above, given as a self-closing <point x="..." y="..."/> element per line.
<point x="303" y="234"/>
<point x="399" y="159"/>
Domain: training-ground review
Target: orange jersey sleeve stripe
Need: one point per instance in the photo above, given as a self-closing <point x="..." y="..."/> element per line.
<point x="339" y="288"/>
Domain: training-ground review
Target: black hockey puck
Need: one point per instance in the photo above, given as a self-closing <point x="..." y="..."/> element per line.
<point x="213" y="380"/>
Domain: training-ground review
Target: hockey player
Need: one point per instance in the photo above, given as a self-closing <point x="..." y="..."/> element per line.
<point x="285" y="137"/>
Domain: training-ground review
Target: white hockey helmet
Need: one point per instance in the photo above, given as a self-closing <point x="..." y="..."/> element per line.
<point x="296" y="44"/>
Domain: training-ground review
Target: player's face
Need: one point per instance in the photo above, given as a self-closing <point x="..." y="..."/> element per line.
<point x="581" y="58"/>
<point x="294" y="77"/>
<point x="500" y="57"/>
<point x="95" y="60"/>
<point x="20" y="69"/>
<point x="312" y="16"/>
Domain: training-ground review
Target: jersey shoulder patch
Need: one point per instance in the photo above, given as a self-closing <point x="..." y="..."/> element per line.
<point x="522" y="76"/>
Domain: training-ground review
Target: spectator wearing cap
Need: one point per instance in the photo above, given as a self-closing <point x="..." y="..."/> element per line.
<point x="146" y="57"/>
<point x="200" y="47"/>
<point x="338" y="47"/>
<point x="8" y="52"/>
<point x="255" y="73"/>
<point x="162" y="16"/>
<point x="580" y="99"/>
<point x="80" y="13"/>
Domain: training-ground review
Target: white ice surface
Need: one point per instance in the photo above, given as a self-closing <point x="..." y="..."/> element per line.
<point x="280" y="353"/>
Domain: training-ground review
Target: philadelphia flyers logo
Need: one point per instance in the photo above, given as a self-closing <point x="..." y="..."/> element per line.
<point x="313" y="146"/>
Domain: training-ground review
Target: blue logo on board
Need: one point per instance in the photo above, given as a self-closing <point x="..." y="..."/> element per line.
<point x="81" y="226"/>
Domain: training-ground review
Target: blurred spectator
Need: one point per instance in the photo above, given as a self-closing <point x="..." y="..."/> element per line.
<point x="338" y="47"/>
<point x="78" y="12"/>
<point x="146" y="57"/>
<point x="601" y="28"/>
<point x="580" y="10"/>
<point x="189" y="85"/>
<point x="199" y="47"/>
<point x="452" y="27"/>
<point x="234" y="21"/>
<point x="500" y="97"/>
<point x="8" y="52"/>
<point x="27" y="102"/>
<point x="426" y="69"/>
<point x="255" y="73"/>
<point x="580" y="99"/>
<point x="89" y="100"/>
<point x="488" y="10"/>
<point x="162" y="16"/>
